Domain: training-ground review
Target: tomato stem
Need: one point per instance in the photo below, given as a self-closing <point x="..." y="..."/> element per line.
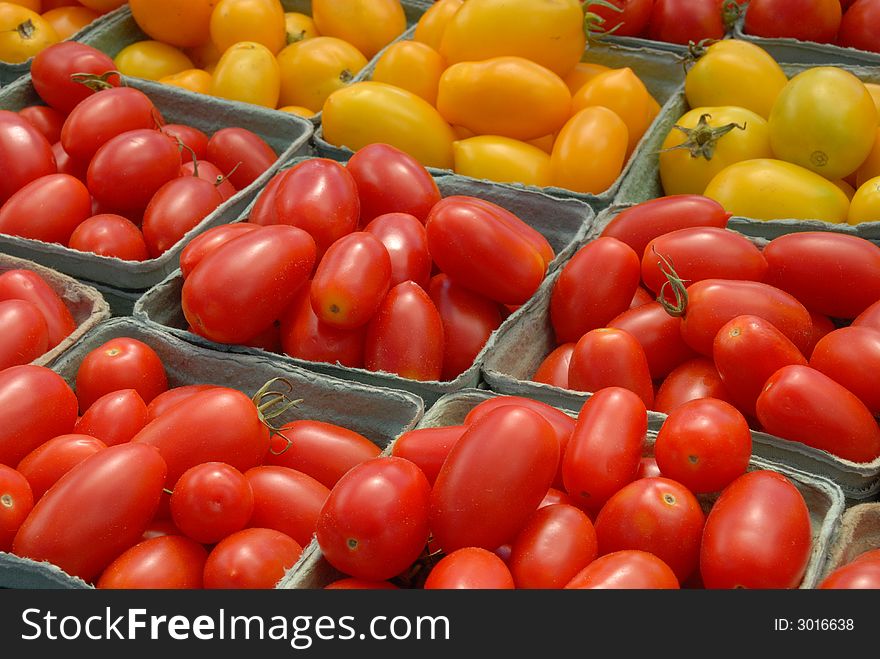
<point x="96" y="82"/>
<point x="731" y="11"/>
<point x="272" y="404"/>
<point x="222" y="177"/>
<point x="702" y="139"/>
<point x="181" y="146"/>
<point x="26" y="30"/>
<point x="679" y="290"/>
<point x="593" y="22"/>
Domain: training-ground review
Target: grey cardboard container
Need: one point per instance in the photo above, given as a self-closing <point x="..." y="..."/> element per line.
<point x="287" y="134"/>
<point x="659" y="69"/>
<point x="859" y="532"/>
<point x="824" y="499"/>
<point x="114" y="35"/>
<point x="519" y="347"/>
<point x="87" y="306"/>
<point x="642" y="181"/>
<point x="379" y="414"/>
<point x="564" y="222"/>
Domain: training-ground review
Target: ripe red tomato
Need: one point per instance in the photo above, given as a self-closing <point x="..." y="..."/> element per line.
<point x="695" y="378"/>
<point x="286" y="500"/>
<point x="24" y="335"/>
<point x="630" y="21"/>
<point x="374" y="523"/>
<point x="681" y="21"/>
<point x="704" y="444"/>
<point x="626" y="569"/>
<point x="45" y="119"/>
<point x="163" y="562"/>
<point x="251" y="558"/>
<point x="95" y="511"/>
<point x="807" y="20"/>
<point x="48" y="208"/>
<point x="109" y="234"/>
<point x="862" y="572"/>
<point x="418" y="354"/>
<point x="659" y="335"/>
<point x="850" y="355"/>
<point x="28" y="420"/>
<point x="556" y="543"/>
<point x="120" y="363"/>
<point x="481" y="251"/>
<point x="21" y="143"/>
<point x="168" y="399"/>
<point x="195" y="142"/>
<point x="263" y="210"/>
<point x="802" y="404"/>
<point x="757" y="534"/>
<point x="52" y="459"/>
<point x="129" y="168"/>
<point x="406" y="241"/>
<point x="67" y="165"/>
<point x="210" y="501"/>
<point x="638" y="225"/>
<point x="389" y="181"/>
<point x="176" y="208"/>
<point x="553" y="369"/>
<point x="855" y="26"/>
<point x="608" y="357"/>
<point x="512" y="221"/>
<point x="606" y="446"/>
<point x="351" y="280"/>
<point x="594" y="286"/>
<point x="227" y="416"/>
<point x="53" y="67"/>
<point x="211" y="173"/>
<point x="493" y="479"/>
<point x="427" y="447"/>
<point x="241" y="287"/>
<point x="207" y="241"/>
<point x="241" y="153"/>
<point x="115" y="417"/>
<point x="470" y="568"/>
<point x="822" y="325"/>
<point x="325" y="451"/>
<point x="16" y="502"/>
<point x="656" y="515"/>
<point x="319" y="196"/>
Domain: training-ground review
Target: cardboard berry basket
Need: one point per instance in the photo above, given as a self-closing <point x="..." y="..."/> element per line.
<point x="378" y="414"/>
<point x="660" y="70"/>
<point x="287" y="134"/>
<point x="642" y="181"/>
<point x="859" y="532"/>
<point x="87" y="306"/>
<point x="564" y="222"/>
<point x="824" y="499"/>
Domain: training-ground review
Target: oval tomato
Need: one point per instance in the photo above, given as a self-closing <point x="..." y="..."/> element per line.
<point x="608" y="357"/>
<point x="431" y="25"/>
<point x="45" y="119"/>
<point x="210" y="501"/>
<point x="52" y="459"/>
<point x="163" y="562"/>
<point x="470" y="568"/>
<point x="626" y="569"/>
<point x="848" y="356"/>
<point x="254" y="20"/>
<point x="194" y="140"/>
<point x="196" y="249"/>
<point x="53" y="73"/>
<point x="168" y="399"/>
<point x="502" y="159"/>
<point x="48" y="208"/>
<point x="108" y="234"/>
<point x="16" y="502"/>
<point x="175" y="209"/>
<point x="24" y="335"/>
<point x="427" y="447"/>
<point x="241" y="153"/>
<point x="683" y="21"/>
<point x="115" y="417"/>
<point x="406" y="242"/>
<point x="553" y="369"/>
<point x="589" y="151"/>
<point x="806" y="20"/>
<point x="251" y="558"/>
<point x="247" y="72"/>
<point x="181" y="24"/>
<point x="861" y="572"/>
<point x="312" y="69"/>
<point x="659" y="335"/>
<point x="695" y="378"/>
<point x="855" y="30"/>
<point x="412" y="65"/>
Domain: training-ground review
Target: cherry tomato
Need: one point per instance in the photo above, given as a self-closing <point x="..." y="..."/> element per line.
<point x="470" y="568"/>
<point x="251" y="558"/>
<point x="16" y="502"/>
<point x="374" y="523"/>
<point x="175" y="209"/>
<point x="52" y="459"/>
<point x="659" y="335"/>
<point x="286" y="500"/>
<point x="553" y="369"/>
<point x="626" y="569"/>
<point x="53" y="67"/>
<point x="168" y="399"/>
<point x="45" y="119"/>
<point x="390" y="180"/>
<point x="861" y="572"/>
<point x="806" y="20"/>
<point x="36" y="404"/>
<point x="681" y="21"/>
<point x="115" y="417"/>
<point x="493" y="479"/>
<point x="67" y="527"/>
<point x="210" y="501"/>
<point x="48" y="208"/>
<point x="110" y="235"/>
<point x="241" y="287"/>
<point x="757" y="534"/>
<point x="163" y="562"/>
<point x="24" y="335"/>
<point x="608" y="357"/>
<point x="427" y="447"/>
<point x="849" y="355"/>
<point x="417" y="355"/>
<point x="406" y="241"/>
<point x="233" y="146"/>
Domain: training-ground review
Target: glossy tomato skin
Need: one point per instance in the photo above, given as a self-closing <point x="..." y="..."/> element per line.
<point x="582" y="300"/>
<point x="468" y="321"/>
<point x="320" y="196"/>
<point x="230" y="146"/>
<point x="493" y="479"/>
<point x="115" y="417"/>
<point x="323" y="450"/>
<point x="804" y="405"/>
<point x="45" y="119"/>
<point x="390" y="180"/>
<point x="819" y="269"/>
<point x="240" y="288"/>
<point x="848" y="355"/>
<point x="428" y="447"/>
<point x="406" y="241"/>
<point x="23" y="333"/>
<point x="251" y="558"/>
<point x="120" y="363"/>
<point x="195" y="141"/>
<point x="606" y="446"/>
<point x="168" y="399"/>
<point x="374" y="523"/>
<point x="26" y="420"/>
<point x="211" y="500"/>
<point x="511" y="221"/>
<point x="67" y="528"/>
<point x="757" y="534"/>
<point x="109" y="234"/>
<point x="626" y="569"/>
<point x="657" y="515"/>
<point x="556" y="543"/>
<point x="816" y="20"/>
<point x="52" y="67"/>
<point x="176" y="208"/>
<point x="211" y="173"/>
<point x="855" y="30"/>
<point x="52" y="459"/>
<point x="470" y="568"/>
<point x="553" y="369"/>
<point x="638" y="225"/>
<point x="196" y="249"/>
<point x="681" y="21"/>
<point x="659" y="335"/>
<point x="16" y="502"/>
<point x="48" y="208"/>
<point x="166" y="562"/>
<point x="861" y="572"/>
<point x="23" y="144"/>
<point x="695" y="378"/>
<point x="418" y="354"/>
<point x="607" y="357"/>
<point x="263" y="210"/>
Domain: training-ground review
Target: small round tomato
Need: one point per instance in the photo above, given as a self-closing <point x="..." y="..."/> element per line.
<point x="16" y="501"/>
<point x="115" y="417"/>
<point x="67" y="21"/>
<point x="112" y="235"/>
<point x="24" y="335"/>
<point x="23" y="33"/>
<point x="626" y="569"/>
<point x="470" y="568"/>
<point x="210" y="501"/>
<point x="286" y="500"/>
<point x="251" y="558"/>
<point x="313" y="69"/>
<point x="609" y="357"/>
<point x="590" y="151"/>
<point x="163" y="562"/>
<point x="247" y="72"/>
<point x="855" y="30"/>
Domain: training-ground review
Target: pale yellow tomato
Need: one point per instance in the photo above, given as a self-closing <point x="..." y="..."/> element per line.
<point x="367" y="111"/>
<point x="259" y="21"/>
<point x="865" y="204"/>
<point x="151" y="60"/>
<point x="313" y="69"/>
<point x="501" y="159"/>
<point x="181" y="23"/>
<point x="431" y="25"/>
<point x="23" y="33"/>
<point x="508" y="95"/>
<point x="299" y="26"/>
<point x="770" y="189"/>
<point x="248" y="72"/>
<point x="590" y="151"/>
<point x="369" y="25"/>
<point x="195" y="80"/>
<point x="411" y="65"/>
<point x="67" y="21"/>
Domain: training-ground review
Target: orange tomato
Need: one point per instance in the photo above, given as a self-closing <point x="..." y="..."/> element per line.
<point x="67" y="21"/>
<point x="432" y="24"/>
<point x="195" y="80"/>
<point x="590" y="151"/>
<point x="299" y="26"/>
<point x="411" y="65"/>
<point x="102" y="6"/>
<point x="181" y="23"/>
<point x="260" y="21"/>
<point x="581" y="74"/>
<point x="369" y="25"/>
